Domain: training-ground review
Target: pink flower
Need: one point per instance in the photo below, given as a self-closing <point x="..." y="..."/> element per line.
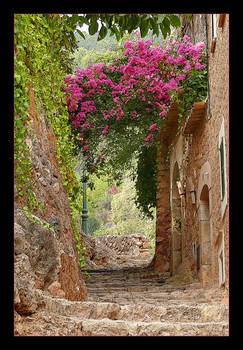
<point x="200" y="45"/>
<point x="143" y="73"/>
<point x="105" y="131"/>
<point x="163" y="113"/>
<point x="185" y="38"/>
<point x="149" y="138"/>
<point x="187" y="68"/>
<point x="153" y="127"/>
<point x="148" y="43"/>
<point x="128" y="44"/>
<point x="113" y="190"/>
<point x="199" y="66"/>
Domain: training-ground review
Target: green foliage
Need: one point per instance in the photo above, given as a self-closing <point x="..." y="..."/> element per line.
<point x="80" y="251"/>
<point x="89" y="42"/>
<point x="83" y="57"/>
<point x="125" y="217"/>
<point x="41" y="62"/>
<point x="93" y="224"/>
<point x="194" y="90"/>
<point x="43" y="67"/>
<point x="23" y="169"/>
<point x="120" y="24"/>
<point x="99" y="199"/>
<point x="146" y="180"/>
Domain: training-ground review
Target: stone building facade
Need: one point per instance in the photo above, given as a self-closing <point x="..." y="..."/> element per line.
<point x="193" y="195"/>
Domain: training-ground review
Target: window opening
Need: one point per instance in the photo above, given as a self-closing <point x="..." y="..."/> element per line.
<point x="198" y="257"/>
<point x="194" y="250"/>
<point x="223" y="169"/>
<point x="214" y="26"/>
<point x="221" y="261"/>
<point x="221" y="264"/>
<point x="221" y="150"/>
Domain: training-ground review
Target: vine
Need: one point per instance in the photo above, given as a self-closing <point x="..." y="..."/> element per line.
<point x="117" y="110"/>
<point x="146" y="180"/>
<point x="41" y="61"/>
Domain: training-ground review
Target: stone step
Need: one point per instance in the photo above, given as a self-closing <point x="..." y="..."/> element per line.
<point x="159" y="296"/>
<point x="123" y="275"/>
<point x="140" y="288"/>
<point x="137" y="312"/>
<point x="55" y="325"/>
<point x="125" y="328"/>
<point x="145" y="300"/>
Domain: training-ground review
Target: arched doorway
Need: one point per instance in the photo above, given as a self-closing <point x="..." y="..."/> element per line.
<point x="176" y="213"/>
<point x="205" y="237"/>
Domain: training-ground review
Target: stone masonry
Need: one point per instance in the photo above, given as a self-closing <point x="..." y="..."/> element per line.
<point x="110" y="251"/>
<point x="44" y="259"/>
<point x="196" y="215"/>
<point x="123" y="292"/>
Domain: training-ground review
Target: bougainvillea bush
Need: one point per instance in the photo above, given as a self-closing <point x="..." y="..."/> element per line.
<point x="116" y="110"/>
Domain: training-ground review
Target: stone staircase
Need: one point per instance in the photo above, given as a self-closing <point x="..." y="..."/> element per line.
<point x="131" y="302"/>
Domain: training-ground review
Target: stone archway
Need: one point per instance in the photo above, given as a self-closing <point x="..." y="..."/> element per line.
<point x="205" y="236"/>
<point x="176" y="229"/>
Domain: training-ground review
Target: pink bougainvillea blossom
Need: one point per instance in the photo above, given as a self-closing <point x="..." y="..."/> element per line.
<point x="145" y="78"/>
<point x="149" y="138"/>
<point x="105" y="131"/>
<point x="153" y="127"/>
<point x="86" y="148"/>
<point x="163" y="113"/>
<point x="113" y="190"/>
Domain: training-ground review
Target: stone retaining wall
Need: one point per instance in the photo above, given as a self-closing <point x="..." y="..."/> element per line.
<point x="136" y="245"/>
<point x="112" y="251"/>
<point x="45" y="259"/>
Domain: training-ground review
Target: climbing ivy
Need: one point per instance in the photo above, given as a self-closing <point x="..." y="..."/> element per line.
<point x="41" y="61"/>
<point x="146" y="180"/>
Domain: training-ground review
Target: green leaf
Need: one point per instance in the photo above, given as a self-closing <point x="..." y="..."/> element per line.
<point x="175" y="21"/>
<point x="93" y="28"/>
<point x="160" y="18"/>
<point x="80" y="33"/>
<point x="66" y="42"/>
<point x="165" y="27"/>
<point x="134" y="20"/>
<point x="155" y="29"/>
<point x="102" y="33"/>
<point x="144" y="28"/>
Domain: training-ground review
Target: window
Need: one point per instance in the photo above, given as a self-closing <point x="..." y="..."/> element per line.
<point x="221" y="261"/>
<point x="221" y="151"/>
<point x="223" y="169"/>
<point x="213" y="31"/>
<point x="194" y="251"/>
<point x="198" y="258"/>
<point x="214" y="26"/>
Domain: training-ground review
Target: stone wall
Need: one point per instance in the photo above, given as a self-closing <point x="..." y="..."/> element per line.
<point x="113" y="251"/>
<point x="135" y="245"/>
<point x="204" y="223"/>
<point x="45" y="259"/>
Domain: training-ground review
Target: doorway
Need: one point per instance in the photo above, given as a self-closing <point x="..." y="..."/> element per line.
<point x="205" y="237"/>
